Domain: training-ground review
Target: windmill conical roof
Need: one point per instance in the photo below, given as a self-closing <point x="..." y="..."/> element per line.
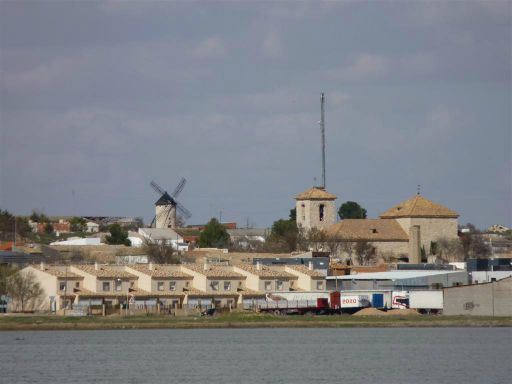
<point x="418" y="206"/>
<point x="165" y="199"/>
<point x="315" y="193"/>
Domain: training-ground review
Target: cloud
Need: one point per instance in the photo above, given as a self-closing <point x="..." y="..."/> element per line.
<point x="368" y="67"/>
<point x="212" y="47"/>
<point x="272" y="45"/>
<point x="442" y="123"/>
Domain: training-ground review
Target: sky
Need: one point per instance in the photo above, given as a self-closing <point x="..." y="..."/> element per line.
<point x="98" y="98"/>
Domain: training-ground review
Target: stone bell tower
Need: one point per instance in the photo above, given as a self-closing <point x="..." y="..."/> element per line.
<point x="316" y="208"/>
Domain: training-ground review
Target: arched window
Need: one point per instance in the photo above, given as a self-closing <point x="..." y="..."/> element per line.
<point x="321" y="212"/>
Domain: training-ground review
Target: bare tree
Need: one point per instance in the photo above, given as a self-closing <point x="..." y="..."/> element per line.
<point x="450" y="249"/>
<point x="365" y="252"/>
<point x="161" y="252"/>
<point x="24" y="290"/>
<point x="314" y="240"/>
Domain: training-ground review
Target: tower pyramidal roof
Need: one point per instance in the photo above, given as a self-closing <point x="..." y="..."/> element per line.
<point x="315" y="193"/>
<point x="418" y="206"/>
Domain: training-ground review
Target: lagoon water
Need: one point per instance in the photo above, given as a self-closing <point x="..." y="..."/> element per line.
<point x="408" y="355"/>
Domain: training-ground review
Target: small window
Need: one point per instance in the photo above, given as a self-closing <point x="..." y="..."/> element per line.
<point x="279" y="285"/>
<point x="268" y="285"/>
<point x="321" y="209"/>
<point x="119" y="285"/>
<point x="493" y="279"/>
<point x="62" y="286"/>
<point x="227" y="285"/>
<point x="172" y="285"/>
<point x="132" y="284"/>
<point x="106" y="286"/>
<point x="187" y="284"/>
<point x="292" y="283"/>
<point x="160" y="285"/>
<point x="77" y="284"/>
<point x="214" y="285"/>
<point x="320" y="285"/>
<point x="239" y="284"/>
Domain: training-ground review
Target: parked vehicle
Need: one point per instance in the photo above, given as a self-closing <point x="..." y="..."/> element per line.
<point x="324" y="304"/>
<point x="428" y="301"/>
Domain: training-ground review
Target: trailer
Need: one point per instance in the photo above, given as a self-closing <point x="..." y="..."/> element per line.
<point x="426" y="301"/>
<point x="319" y="303"/>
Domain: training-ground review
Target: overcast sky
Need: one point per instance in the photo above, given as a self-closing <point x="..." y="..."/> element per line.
<point x="98" y="98"/>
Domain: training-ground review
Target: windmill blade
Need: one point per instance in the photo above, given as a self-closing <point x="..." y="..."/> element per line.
<point x="157" y="188"/>
<point x="183" y="211"/>
<point x="179" y="188"/>
<point x="153" y="222"/>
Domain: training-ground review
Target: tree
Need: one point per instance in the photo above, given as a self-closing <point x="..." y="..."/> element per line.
<point x="39" y="217"/>
<point x="161" y="252"/>
<point x="479" y="248"/>
<point x="5" y="272"/>
<point x="213" y="235"/>
<point x="48" y="228"/>
<point x="7" y="226"/>
<point x="285" y="231"/>
<point x="449" y="249"/>
<point x="118" y="236"/>
<point x="315" y="239"/>
<point x="24" y="290"/>
<point x="351" y="210"/>
<point x="78" y="224"/>
<point x="364" y="251"/>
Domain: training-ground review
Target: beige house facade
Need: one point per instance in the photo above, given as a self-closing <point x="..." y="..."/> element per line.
<point x="168" y="286"/>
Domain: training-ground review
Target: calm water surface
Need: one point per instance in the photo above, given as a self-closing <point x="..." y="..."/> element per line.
<point x="451" y="355"/>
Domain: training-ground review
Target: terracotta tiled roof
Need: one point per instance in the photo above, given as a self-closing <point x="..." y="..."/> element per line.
<point x="418" y="206"/>
<point x="105" y="271"/>
<point x="61" y="272"/>
<point x="368" y="230"/>
<point x="161" y="271"/>
<point x="266" y="272"/>
<point x="305" y="270"/>
<point x="315" y="193"/>
<point x="213" y="271"/>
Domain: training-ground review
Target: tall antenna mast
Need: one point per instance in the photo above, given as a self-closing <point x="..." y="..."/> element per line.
<point x="322" y="130"/>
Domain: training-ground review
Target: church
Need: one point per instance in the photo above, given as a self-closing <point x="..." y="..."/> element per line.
<point x="399" y="233"/>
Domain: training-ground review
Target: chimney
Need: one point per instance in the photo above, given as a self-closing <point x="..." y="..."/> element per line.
<point x="96" y="266"/>
<point x="150" y="266"/>
<point x="310" y="266"/>
<point x="258" y="266"/>
<point x="205" y="265"/>
<point x="41" y="267"/>
<point x="414" y="245"/>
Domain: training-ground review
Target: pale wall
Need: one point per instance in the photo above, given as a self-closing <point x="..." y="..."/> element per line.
<point x="308" y="216"/>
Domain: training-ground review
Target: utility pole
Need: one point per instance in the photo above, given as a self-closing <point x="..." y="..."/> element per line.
<point x="322" y="131"/>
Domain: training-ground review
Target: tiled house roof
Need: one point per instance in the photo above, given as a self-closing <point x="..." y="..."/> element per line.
<point x="105" y="271"/>
<point x="368" y="230"/>
<point x="161" y="271"/>
<point x="418" y="206"/>
<point x="213" y="271"/>
<point x="266" y="272"/>
<point x="305" y="270"/>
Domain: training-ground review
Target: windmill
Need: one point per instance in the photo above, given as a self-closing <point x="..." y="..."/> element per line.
<point x="167" y="207"/>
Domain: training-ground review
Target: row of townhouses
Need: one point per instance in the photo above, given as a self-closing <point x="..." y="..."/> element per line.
<point x="169" y="285"/>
